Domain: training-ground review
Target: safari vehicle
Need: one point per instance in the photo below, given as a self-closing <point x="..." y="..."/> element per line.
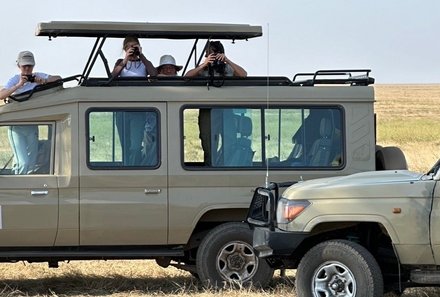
<point x="353" y="235"/>
<point x="180" y="192"/>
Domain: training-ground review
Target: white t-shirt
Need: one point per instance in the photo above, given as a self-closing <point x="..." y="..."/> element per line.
<point x="27" y="85"/>
<point x="134" y="68"/>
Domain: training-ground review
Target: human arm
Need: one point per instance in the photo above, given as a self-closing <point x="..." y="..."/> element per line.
<point x="238" y="70"/>
<point x="119" y="65"/>
<point x="42" y="79"/>
<point x="12" y="86"/>
<point x="53" y="78"/>
<point x="196" y="71"/>
<point x="152" y="71"/>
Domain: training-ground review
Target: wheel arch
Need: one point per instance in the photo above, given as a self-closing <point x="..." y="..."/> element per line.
<point x="212" y="218"/>
<point x="342" y="221"/>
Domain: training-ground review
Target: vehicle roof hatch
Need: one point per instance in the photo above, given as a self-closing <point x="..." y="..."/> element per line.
<point x="103" y="30"/>
<point x="148" y="30"/>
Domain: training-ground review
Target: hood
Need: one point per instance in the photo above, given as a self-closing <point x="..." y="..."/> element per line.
<point x="360" y="185"/>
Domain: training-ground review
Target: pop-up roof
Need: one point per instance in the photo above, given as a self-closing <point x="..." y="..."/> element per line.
<point x="148" y="30"/>
<point x="103" y="30"/>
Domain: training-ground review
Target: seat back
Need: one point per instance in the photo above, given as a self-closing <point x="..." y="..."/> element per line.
<point x="321" y="150"/>
<point x="242" y="153"/>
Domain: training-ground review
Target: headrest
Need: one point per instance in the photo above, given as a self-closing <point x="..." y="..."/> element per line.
<point x="244" y="126"/>
<point x="326" y="128"/>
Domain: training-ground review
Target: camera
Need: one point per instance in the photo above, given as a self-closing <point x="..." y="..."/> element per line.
<point x="30" y="78"/>
<point x="136" y="51"/>
<point x="218" y="66"/>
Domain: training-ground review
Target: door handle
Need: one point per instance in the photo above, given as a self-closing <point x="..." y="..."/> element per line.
<point x="39" y="192"/>
<point x="151" y="191"/>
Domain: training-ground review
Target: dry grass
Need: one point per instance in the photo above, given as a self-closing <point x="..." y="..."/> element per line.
<point x="406" y="117"/>
<point x="131" y="278"/>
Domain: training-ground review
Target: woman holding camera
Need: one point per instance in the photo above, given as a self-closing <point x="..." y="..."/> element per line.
<point x="130" y="124"/>
<point x="134" y="64"/>
<point x="217" y="64"/>
<point x="24" y="138"/>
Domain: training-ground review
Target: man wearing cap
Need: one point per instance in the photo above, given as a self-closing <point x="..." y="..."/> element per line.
<point x="24" y="138"/>
<point x="27" y="79"/>
<point x="167" y="66"/>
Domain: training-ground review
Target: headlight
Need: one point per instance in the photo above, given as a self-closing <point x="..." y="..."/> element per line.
<point x="288" y="210"/>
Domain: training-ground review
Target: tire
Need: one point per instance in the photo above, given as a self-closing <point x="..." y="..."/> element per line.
<point x="226" y="257"/>
<point x="390" y="158"/>
<point x="338" y="268"/>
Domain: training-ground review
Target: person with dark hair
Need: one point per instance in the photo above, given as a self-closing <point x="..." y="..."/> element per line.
<point x="134" y="63"/>
<point x="217" y="64"/>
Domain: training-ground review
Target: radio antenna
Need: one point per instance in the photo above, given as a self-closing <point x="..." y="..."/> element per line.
<point x="266" y="137"/>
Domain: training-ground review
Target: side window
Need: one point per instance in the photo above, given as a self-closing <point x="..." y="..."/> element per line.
<point x="25" y="149"/>
<point x="304" y="137"/>
<point x="222" y="137"/>
<point x="256" y="137"/>
<point x="123" y="138"/>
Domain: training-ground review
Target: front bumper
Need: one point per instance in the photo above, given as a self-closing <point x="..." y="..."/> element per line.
<point x="277" y="242"/>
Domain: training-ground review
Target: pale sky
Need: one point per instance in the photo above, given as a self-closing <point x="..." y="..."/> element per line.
<point x="398" y="39"/>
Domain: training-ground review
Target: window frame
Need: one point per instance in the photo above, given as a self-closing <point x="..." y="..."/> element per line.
<point x="51" y="127"/>
<point x="263" y="108"/>
<point x="92" y="166"/>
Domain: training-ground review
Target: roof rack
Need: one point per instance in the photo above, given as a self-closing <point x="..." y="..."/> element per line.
<point x="335" y="77"/>
<point x="177" y="81"/>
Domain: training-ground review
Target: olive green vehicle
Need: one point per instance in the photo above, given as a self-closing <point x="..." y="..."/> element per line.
<point x="179" y="190"/>
<point x="358" y="235"/>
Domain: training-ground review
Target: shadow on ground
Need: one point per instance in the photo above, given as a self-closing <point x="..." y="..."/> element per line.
<point x="81" y="285"/>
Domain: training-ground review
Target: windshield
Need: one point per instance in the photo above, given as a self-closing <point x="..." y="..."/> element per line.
<point x="434" y="168"/>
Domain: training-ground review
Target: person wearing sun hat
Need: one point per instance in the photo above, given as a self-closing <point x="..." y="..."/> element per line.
<point x="167" y="66"/>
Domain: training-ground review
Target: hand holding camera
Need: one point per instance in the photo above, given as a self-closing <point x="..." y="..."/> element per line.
<point x="216" y="63"/>
<point x="135" y="51"/>
<point x="29" y="77"/>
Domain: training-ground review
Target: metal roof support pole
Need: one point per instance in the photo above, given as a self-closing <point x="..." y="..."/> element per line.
<point x="95" y="53"/>
<point x="104" y="60"/>
<point x="193" y="51"/>
<point x="86" y="67"/>
<point x="203" y="52"/>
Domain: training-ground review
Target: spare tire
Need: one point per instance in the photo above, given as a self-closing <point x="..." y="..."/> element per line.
<point x="390" y="158"/>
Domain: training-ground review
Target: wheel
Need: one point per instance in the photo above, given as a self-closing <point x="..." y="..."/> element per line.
<point x="390" y="158"/>
<point x="226" y="256"/>
<point x="338" y="268"/>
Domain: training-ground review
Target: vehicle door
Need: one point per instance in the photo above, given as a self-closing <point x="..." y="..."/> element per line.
<point x="28" y="186"/>
<point x="435" y="218"/>
<point x="123" y="179"/>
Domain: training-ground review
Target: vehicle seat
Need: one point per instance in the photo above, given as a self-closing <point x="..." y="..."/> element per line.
<point x="320" y="153"/>
<point x="242" y="150"/>
<point x="149" y="142"/>
<point x="296" y="155"/>
<point x="42" y="165"/>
